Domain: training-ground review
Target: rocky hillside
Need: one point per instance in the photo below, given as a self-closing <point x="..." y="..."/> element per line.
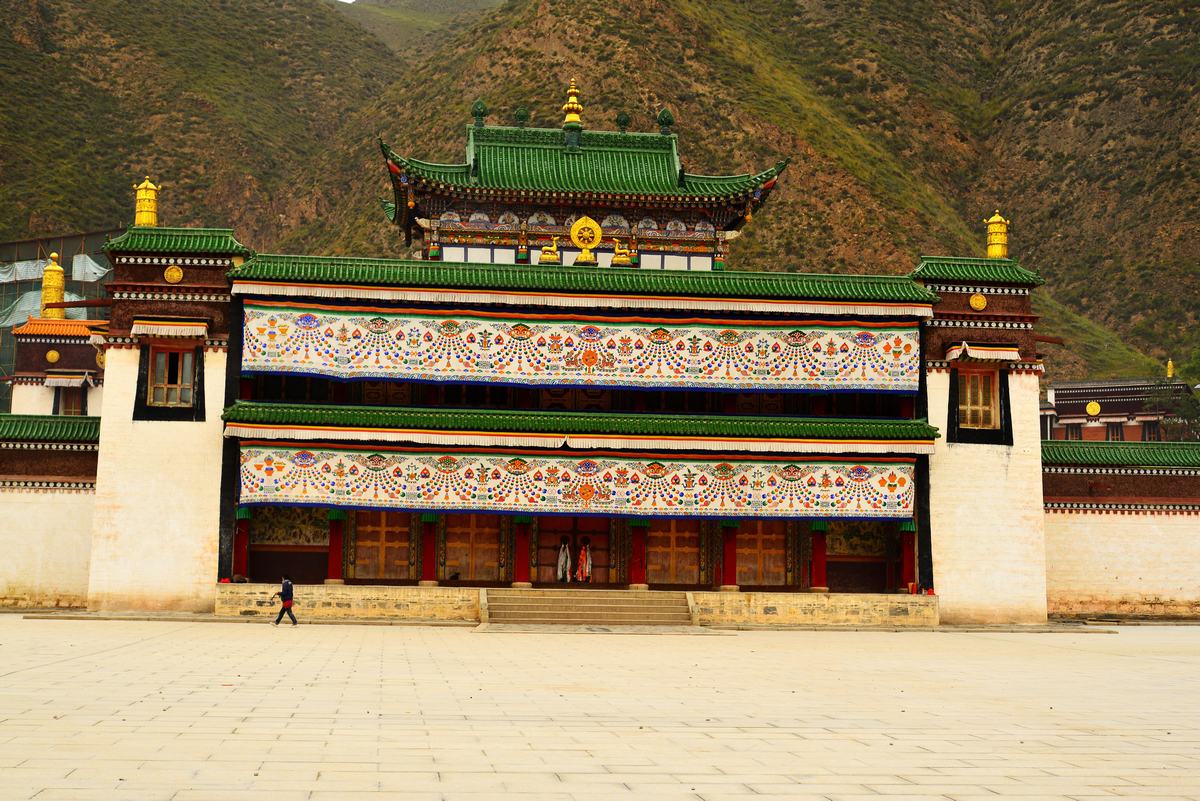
<point x="907" y="123"/>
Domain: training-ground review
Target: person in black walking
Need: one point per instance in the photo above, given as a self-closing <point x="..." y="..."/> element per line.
<point x="285" y="597"/>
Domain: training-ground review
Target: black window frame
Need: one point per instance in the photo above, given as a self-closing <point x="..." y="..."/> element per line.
<point x="1001" y="435"/>
<point x="144" y="410"/>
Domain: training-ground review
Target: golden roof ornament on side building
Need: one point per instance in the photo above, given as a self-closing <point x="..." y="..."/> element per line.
<point x="54" y="289"/>
<point x="572" y="108"/>
<point x="997" y="236"/>
<point x="1170" y="368"/>
<point x="145" y="209"/>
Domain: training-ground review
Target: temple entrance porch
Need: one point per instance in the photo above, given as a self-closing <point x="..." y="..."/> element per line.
<point x="321" y="545"/>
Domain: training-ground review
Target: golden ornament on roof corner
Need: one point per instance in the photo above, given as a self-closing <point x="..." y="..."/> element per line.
<point x="997" y="236"/>
<point x="572" y="108"/>
<point x="54" y="289"/>
<point x="585" y="235"/>
<point x="145" y="208"/>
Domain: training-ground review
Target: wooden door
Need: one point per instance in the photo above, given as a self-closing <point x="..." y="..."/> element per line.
<point x="382" y="542"/>
<point x="762" y="553"/>
<point x="673" y="552"/>
<point x="472" y="548"/>
<point x="552" y="530"/>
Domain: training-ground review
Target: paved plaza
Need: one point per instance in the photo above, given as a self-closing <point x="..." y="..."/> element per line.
<point x="152" y="710"/>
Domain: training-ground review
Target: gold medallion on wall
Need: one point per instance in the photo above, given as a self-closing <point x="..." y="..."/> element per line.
<point x="1092" y="409"/>
<point x="173" y="274"/>
<point x="100" y="359"/>
<point x="53" y="356"/>
<point x="978" y="302"/>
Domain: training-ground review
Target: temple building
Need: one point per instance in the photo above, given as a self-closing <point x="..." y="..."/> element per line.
<point x="1114" y="410"/>
<point x="571" y="389"/>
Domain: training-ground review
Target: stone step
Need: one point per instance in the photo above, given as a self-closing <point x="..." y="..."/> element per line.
<point x="585" y="609"/>
<point x="558" y="593"/>
<point x="631" y="620"/>
<point x="510" y="599"/>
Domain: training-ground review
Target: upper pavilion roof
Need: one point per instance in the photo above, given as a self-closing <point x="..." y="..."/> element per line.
<point x="153" y="239"/>
<point x="986" y="271"/>
<point x="42" y="327"/>
<point x="603" y="163"/>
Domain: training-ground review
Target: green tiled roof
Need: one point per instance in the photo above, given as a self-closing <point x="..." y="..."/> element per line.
<point x="606" y="162"/>
<point x="512" y="421"/>
<point x="620" y="281"/>
<point x="987" y="271"/>
<point x="48" y="428"/>
<point x="1121" y="454"/>
<point x="203" y="241"/>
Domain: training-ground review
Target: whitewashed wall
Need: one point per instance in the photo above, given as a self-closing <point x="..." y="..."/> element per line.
<point x="32" y="399"/>
<point x="45" y="543"/>
<point x="1132" y="565"/>
<point x="986" y="516"/>
<point x="155" y="534"/>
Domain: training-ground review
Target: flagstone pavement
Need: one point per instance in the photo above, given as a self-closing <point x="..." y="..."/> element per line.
<point x="186" y="711"/>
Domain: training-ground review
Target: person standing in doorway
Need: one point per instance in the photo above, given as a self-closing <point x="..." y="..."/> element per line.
<point x="285" y="598"/>
<point x="562" y="572"/>
<point x="583" y="569"/>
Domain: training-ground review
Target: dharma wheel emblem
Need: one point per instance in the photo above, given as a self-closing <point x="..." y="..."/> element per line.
<point x="585" y="235"/>
<point x="173" y="274"/>
<point x="1092" y="409"/>
<point x="978" y="302"/>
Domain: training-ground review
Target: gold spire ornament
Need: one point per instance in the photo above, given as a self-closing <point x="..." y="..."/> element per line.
<point x="572" y="108"/>
<point x="1170" y="368"/>
<point x="997" y="236"/>
<point x="145" y="209"/>
<point x="54" y="289"/>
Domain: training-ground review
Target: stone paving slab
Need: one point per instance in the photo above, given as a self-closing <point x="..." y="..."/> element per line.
<point x="124" y="709"/>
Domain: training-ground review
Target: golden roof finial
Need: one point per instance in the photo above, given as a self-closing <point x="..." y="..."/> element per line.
<point x="572" y="108"/>
<point x="54" y="289"/>
<point x="1170" y="369"/>
<point x="145" y="209"/>
<point x="997" y="236"/>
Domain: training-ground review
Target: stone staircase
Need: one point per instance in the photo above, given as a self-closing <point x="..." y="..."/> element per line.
<point x="589" y="607"/>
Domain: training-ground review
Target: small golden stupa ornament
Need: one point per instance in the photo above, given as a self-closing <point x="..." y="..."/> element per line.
<point x="997" y="236"/>
<point x="54" y="289"/>
<point x="585" y="235"/>
<point x="145" y="209"/>
<point x="572" y="108"/>
<point x="1170" y="368"/>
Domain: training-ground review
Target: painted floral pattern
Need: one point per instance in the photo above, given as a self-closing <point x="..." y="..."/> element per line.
<point x="538" y="483"/>
<point x="369" y="344"/>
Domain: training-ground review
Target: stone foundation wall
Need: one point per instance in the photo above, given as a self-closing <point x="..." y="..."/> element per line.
<point x="352" y="601"/>
<point x="1125" y="565"/>
<point x="816" y="609"/>
<point x="45" y="542"/>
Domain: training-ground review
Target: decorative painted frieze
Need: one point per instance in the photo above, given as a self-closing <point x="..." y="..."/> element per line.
<point x="552" y="350"/>
<point x="537" y="483"/>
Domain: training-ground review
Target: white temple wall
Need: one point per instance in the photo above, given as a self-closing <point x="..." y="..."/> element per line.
<point x="986" y="515"/>
<point x="155" y="535"/>
<point x="1136" y="565"/>
<point x="46" y="541"/>
<point x="32" y="399"/>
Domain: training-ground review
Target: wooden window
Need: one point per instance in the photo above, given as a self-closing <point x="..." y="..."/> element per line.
<point x="1115" y="432"/>
<point x="172" y="377"/>
<point x="71" y="401"/>
<point x="978" y="399"/>
<point x="1151" y="432"/>
<point x="1074" y="431"/>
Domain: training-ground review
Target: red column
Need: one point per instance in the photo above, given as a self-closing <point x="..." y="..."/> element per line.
<point x="819" y="582"/>
<point x="637" y="557"/>
<point x="521" y="554"/>
<point x="429" y="552"/>
<point x="333" y="568"/>
<point x="908" y="560"/>
<point x="729" y="558"/>
<point x="241" y="548"/>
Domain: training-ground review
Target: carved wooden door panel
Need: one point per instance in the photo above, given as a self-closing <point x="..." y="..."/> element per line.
<point x="381" y="544"/>
<point x="673" y="552"/>
<point x="761" y="553"/>
<point x="472" y="547"/>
